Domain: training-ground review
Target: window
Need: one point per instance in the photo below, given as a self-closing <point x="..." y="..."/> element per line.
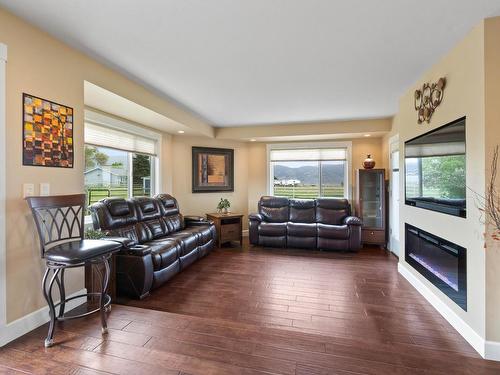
<point x="303" y="172"/>
<point x="118" y="163"/>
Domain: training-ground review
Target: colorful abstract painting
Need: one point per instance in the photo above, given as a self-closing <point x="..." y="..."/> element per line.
<point x="47" y="133"/>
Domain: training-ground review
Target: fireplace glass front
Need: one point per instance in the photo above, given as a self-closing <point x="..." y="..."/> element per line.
<point x="441" y="262"/>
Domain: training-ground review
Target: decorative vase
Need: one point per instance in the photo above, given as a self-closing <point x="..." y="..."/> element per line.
<point x="225" y="210"/>
<point x="369" y="163"/>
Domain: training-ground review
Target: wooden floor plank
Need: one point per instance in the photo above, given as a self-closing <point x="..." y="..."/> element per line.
<point x="262" y="311"/>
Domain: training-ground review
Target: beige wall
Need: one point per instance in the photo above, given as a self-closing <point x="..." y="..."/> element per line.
<point x="40" y="65"/>
<point x="257" y="165"/>
<point x="304" y="131"/>
<point x="58" y="73"/>
<point x="463" y="68"/>
<point x="492" y="138"/>
<point x="473" y="90"/>
<point x="61" y="79"/>
<point x="202" y="203"/>
<point x="250" y="172"/>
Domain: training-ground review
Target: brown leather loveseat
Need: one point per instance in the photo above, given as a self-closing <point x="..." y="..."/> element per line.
<point x="323" y="223"/>
<point x="158" y="241"/>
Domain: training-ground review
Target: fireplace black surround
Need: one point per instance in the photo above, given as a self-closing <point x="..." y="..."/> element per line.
<point x="441" y="262"/>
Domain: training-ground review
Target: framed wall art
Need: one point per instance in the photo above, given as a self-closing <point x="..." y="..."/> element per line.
<point x="213" y="169"/>
<point x="47" y="133"/>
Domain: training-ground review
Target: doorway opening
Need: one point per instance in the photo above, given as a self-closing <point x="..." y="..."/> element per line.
<point x="394" y="196"/>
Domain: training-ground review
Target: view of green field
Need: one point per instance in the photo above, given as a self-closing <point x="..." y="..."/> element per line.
<point x="95" y="194"/>
<point x="308" y="191"/>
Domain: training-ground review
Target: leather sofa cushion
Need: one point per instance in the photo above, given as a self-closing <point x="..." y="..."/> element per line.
<point x="274" y="209"/>
<point x="188" y="240"/>
<point x="331" y="210"/>
<point x="143" y="233"/>
<point x="147" y="208"/>
<point x="112" y="213"/>
<point x="128" y="232"/>
<point x="303" y="210"/>
<point x="271" y="241"/>
<point x="168" y="204"/>
<point x="164" y="252"/>
<point x="204" y="232"/>
<point x="332" y="244"/>
<point x="147" y="205"/>
<point x="157" y="227"/>
<point x="173" y="223"/>
<point x="272" y="229"/>
<point x="301" y="242"/>
<point x="339" y="232"/>
<point x="160" y="277"/>
<point x="118" y="207"/>
<point x="302" y="230"/>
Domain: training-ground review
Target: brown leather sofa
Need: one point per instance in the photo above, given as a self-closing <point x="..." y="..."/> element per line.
<point x="158" y="241"/>
<point x="324" y="223"/>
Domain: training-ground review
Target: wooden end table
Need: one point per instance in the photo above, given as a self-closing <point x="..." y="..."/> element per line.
<point x="229" y="227"/>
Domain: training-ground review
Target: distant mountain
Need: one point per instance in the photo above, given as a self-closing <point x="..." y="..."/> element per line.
<point x="308" y="175"/>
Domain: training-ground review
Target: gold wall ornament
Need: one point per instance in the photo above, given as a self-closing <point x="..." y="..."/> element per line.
<point x="428" y="99"/>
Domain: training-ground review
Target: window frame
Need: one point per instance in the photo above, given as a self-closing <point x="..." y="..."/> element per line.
<point x="347" y="145"/>
<point x="108" y="121"/>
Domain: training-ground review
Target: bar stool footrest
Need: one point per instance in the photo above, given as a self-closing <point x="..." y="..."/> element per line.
<point x="107" y="307"/>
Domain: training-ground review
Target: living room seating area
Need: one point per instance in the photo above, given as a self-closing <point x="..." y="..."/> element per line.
<point x="323" y="223"/>
<point x="158" y="241"/>
<point x="254" y="187"/>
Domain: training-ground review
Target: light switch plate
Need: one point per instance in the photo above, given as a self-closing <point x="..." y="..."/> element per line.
<point x="28" y="190"/>
<point x="44" y="189"/>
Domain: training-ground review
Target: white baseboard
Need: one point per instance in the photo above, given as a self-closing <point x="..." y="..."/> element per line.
<point x="492" y="350"/>
<point x="245" y="233"/>
<point x="471" y="336"/>
<point x="27" y="323"/>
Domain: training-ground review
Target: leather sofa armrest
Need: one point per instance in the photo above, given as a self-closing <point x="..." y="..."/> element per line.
<point x="124" y="241"/>
<point x="192" y="221"/>
<point x="255" y="217"/>
<point x="353" y="220"/>
<point x="136" y="250"/>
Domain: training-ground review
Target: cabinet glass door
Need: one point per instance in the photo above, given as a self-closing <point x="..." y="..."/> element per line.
<point x="371" y="199"/>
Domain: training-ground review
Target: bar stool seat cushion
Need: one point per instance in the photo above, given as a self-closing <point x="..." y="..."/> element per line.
<point x="80" y="251"/>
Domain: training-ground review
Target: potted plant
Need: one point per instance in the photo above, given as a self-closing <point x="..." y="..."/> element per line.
<point x="223" y="205"/>
<point x="92" y="234"/>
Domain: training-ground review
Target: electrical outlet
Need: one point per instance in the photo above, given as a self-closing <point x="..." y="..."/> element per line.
<point x="44" y="188"/>
<point x="28" y="190"/>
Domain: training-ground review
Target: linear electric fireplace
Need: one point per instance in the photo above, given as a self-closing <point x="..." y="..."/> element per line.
<point x="441" y="262"/>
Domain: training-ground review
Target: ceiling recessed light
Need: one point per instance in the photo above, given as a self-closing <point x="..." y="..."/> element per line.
<point x="252" y="140"/>
<point x="180" y="131"/>
<point x="368" y="135"/>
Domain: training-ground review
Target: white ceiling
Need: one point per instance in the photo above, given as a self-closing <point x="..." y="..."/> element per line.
<point x="106" y="101"/>
<point x="265" y="61"/>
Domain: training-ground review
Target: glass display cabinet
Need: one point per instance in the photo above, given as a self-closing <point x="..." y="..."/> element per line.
<point x="370" y="205"/>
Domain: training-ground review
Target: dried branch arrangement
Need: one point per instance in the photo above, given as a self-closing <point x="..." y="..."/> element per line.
<point x="490" y="203"/>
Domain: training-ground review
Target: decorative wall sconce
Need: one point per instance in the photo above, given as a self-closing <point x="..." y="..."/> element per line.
<point x="428" y="99"/>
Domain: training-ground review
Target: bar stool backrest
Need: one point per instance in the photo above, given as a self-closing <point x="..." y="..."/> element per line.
<point x="58" y="219"/>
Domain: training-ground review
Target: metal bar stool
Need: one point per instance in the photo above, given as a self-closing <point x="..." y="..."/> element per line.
<point x="60" y="225"/>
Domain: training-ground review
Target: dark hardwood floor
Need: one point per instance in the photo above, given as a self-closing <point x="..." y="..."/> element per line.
<point x="263" y="311"/>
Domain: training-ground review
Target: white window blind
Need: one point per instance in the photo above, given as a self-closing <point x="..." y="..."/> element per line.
<point x="98" y="135"/>
<point x="309" y="154"/>
<point x="435" y="149"/>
